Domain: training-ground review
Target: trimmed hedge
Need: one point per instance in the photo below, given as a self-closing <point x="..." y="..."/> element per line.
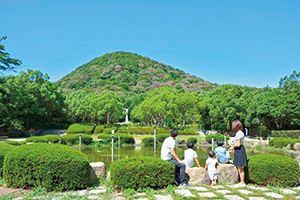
<point x="4" y="149"/>
<point x="193" y="140"/>
<point x="216" y="137"/>
<point x="142" y="172"/>
<point x="37" y="139"/>
<point x="124" y="138"/>
<point x="53" y="138"/>
<point x="148" y="141"/>
<point x="162" y="137"/>
<point x="294" y="134"/>
<point x="74" y="139"/>
<point x="15" y="143"/>
<point x="283" y="142"/>
<point x="271" y="169"/>
<point x="51" y="166"/>
<point x="141" y="131"/>
<point x="104" y="129"/>
<point x="81" y="128"/>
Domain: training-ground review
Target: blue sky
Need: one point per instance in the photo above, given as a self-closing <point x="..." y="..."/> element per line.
<point x="253" y="43"/>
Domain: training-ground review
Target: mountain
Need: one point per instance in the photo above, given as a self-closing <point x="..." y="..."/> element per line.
<point x="128" y="73"/>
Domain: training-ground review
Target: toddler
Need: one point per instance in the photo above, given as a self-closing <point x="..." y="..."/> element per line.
<point x="211" y="165"/>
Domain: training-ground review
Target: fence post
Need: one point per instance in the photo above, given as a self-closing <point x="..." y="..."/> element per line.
<point x="212" y="144"/>
<point x="154" y="138"/>
<point x="112" y="145"/>
<point x="80" y="142"/>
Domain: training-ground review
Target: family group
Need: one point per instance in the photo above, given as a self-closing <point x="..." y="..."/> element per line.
<point x="220" y="155"/>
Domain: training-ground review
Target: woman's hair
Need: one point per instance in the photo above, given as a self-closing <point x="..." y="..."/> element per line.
<point x="237" y="125"/>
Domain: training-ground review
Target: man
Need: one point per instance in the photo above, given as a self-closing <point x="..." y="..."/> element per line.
<point x="167" y="152"/>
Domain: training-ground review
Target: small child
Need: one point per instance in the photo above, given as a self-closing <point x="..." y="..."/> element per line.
<point x="221" y="154"/>
<point x="189" y="156"/>
<point x="211" y="164"/>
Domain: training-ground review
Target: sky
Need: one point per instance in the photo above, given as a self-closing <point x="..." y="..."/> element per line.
<point x="248" y="43"/>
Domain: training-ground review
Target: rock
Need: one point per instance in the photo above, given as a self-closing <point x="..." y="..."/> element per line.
<point x="298" y="159"/>
<point x="204" y="142"/>
<point x="197" y="176"/>
<point x="181" y="141"/>
<point x="262" y="143"/>
<point x="99" y="140"/>
<point x="138" y="141"/>
<point x="288" y="146"/>
<point x="297" y="146"/>
<point x="227" y="173"/>
<point x="97" y="171"/>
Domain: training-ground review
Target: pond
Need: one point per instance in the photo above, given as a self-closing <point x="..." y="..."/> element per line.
<point x="103" y="154"/>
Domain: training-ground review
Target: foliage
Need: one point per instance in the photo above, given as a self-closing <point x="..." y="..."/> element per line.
<point x="51" y="166"/>
<point x="6" y="62"/>
<point x="44" y="139"/>
<point x="193" y="140"/>
<point x="276" y="170"/>
<point x="29" y="102"/>
<point x="15" y="143"/>
<point x="104" y="129"/>
<point x="161" y="137"/>
<point x="129" y="73"/>
<point x="124" y="138"/>
<point x="4" y="149"/>
<point x="80" y="128"/>
<point x="141" y="131"/>
<point x="73" y="139"/>
<point x="283" y="142"/>
<point x="295" y="134"/>
<point x="106" y="138"/>
<point x="148" y="141"/>
<point x="216" y="137"/>
<point x="142" y="172"/>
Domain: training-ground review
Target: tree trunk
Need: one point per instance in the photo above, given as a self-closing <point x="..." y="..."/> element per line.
<point x="107" y="118"/>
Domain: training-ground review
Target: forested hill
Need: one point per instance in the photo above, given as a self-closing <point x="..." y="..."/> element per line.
<point x="129" y="73"/>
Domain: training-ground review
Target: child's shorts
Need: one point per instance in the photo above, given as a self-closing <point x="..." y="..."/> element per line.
<point x="213" y="175"/>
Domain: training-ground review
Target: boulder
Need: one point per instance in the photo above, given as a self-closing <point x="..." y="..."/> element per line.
<point x="181" y="141"/>
<point x="98" y="168"/>
<point x="288" y="146"/>
<point x="197" y="176"/>
<point x="138" y="141"/>
<point x="297" y="146"/>
<point x="204" y="142"/>
<point x="262" y="143"/>
<point x="227" y="173"/>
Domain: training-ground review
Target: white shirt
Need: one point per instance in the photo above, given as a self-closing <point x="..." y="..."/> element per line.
<point x="240" y="136"/>
<point x="166" y="148"/>
<point x="211" y="162"/>
<point x="189" y="156"/>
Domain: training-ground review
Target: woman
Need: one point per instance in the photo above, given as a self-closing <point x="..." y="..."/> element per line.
<point x="240" y="157"/>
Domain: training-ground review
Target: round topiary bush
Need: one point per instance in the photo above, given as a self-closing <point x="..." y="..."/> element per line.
<point x="4" y="149"/>
<point x="51" y="166"/>
<point x="162" y="137"/>
<point x="148" y="141"/>
<point x="81" y="128"/>
<point x="74" y="139"/>
<point x="141" y="172"/>
<point x="271" y="169"/>
<point x="37" y="139"/>
<point x="193" y="140"/>
<point x="53" y="138"/>
<point x="216" y="137"/>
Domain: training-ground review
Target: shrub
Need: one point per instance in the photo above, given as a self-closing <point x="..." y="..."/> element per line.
<point x="271" y="169"/>
<point x="37" y="139"/>
<point x="216" y="137"/>
<point x="148" y="141"/>
<point x="141" y="131"/>
<point x="15" y="143"/>
<point x="283" y="142"/>
<point x="81" y="128"/>
<point x="124" y="138"/>
<point x="193" y="140"/>
<point x="99" y="129"/>
<point x="4" y="149"/>
<point x="51" y="166"/>
<point x="294" y="134"/>
<point x="161" y="137"/>
<point x="52" y="138"/>
<point x="142" y="172"/>
<point x="108" y="130"/>
<point x="187" y="132"/>
<point x="74" y="139"/>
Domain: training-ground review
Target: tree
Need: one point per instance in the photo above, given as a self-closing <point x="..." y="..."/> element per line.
<point x="6" y="62"/>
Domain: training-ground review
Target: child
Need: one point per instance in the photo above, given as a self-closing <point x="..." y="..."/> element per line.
<point x="221" y="154"/>
<point x="190" y="155"/>
<point x="211" y="164"/>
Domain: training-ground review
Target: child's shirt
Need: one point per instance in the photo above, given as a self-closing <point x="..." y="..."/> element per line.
<point x="189" y="156"/>
<point x="166" y="148"/>
<point x="221" y="153"/>
<point x="211" y="162"/>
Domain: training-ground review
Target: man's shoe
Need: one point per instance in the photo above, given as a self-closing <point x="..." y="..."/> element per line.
<point x="184" y="185"/>
<point x="176" y="183"/>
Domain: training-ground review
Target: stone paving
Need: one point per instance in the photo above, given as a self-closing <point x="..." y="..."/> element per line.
<point x="229" y="192"/>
